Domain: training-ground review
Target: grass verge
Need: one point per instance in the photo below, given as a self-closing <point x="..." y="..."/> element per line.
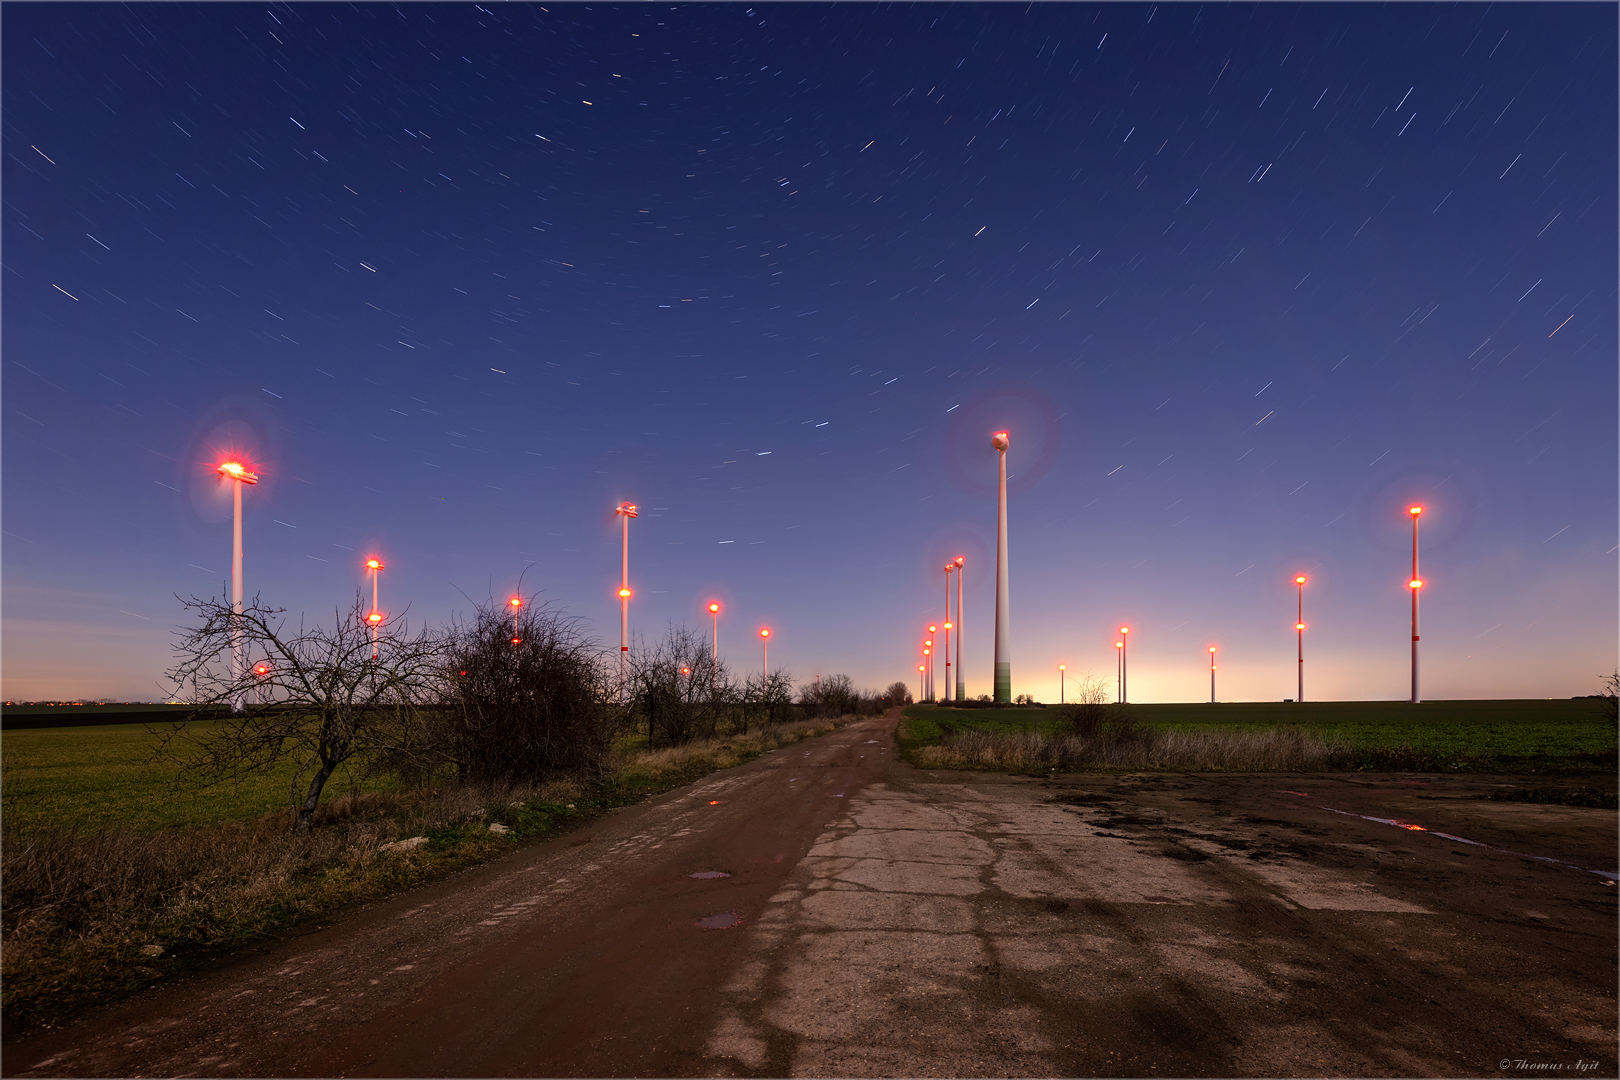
<point x="1132" y="748"/>
<point x="1524" y="736"/>
<point x="97" y="910"/>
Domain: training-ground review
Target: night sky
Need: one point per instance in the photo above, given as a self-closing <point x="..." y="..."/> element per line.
<point x="1243" y="283"/>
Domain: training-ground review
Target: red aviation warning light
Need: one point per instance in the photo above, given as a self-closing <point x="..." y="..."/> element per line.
<point x="235" y="470"/>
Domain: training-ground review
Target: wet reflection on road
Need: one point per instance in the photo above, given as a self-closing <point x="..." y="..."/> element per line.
<point x="1410" y="827"/>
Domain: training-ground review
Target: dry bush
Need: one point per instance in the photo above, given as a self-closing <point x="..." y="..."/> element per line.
<point x="836" y="695"/>
<point x="531" y="697"/>
<point x="1091" y="706"/>
<point x="1125" y="745"/>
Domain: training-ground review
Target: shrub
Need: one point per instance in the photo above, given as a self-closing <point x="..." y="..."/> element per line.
<point x="898" y="693"/>
<point x="835" y="695"/>
<point x="1092" y="709"/>
<point x="530" y="699"/>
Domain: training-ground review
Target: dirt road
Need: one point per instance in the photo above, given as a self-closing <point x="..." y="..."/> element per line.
<point x="878" y="920"/>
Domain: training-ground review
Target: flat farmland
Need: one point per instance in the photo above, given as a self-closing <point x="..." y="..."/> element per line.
<point x="88" y="777"/>
<point x="1568" y="733"/>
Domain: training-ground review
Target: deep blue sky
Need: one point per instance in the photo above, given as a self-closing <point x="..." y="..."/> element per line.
<point x="1242" y="281"/>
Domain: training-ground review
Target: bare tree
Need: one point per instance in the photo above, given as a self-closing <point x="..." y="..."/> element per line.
<point x="532" y="696"/>
<point x="898" y="693"/>
<point x="771" y="696"/>
<point x="678" y="689"/>
<point x="321" y="696"/>
<point x="834" y="695"/>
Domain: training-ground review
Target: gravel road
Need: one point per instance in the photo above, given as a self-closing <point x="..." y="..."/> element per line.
<point x="826" y="910"/>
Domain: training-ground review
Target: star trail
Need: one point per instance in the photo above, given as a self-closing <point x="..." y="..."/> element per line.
<point x="1243" y="282"/>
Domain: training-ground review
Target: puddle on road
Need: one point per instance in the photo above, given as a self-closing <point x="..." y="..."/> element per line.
<point x="1410" y="827"/>
<point x="723" y="921"/>
<point x="708" y="875"/>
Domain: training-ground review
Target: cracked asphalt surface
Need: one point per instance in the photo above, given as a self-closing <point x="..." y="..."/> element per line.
<point x="878" y="920"/>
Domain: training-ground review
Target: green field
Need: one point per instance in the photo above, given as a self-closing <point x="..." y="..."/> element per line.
<point x="1550" y="731"/>
<point x="90" y="776"/>
<point x="92" y="710"/>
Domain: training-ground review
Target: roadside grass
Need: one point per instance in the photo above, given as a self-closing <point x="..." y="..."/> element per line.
<point x="1484" y="736"/>
<point x="639" y="774"/>
<point x="1133" y="747"/>
<point x="97" y="907"/>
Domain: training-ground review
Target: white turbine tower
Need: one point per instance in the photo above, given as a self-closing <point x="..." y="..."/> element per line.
<point x="240" y="474"/>
<point x="626" y="511"/>
<point x="960" y="693"/>
<point x="1003" y="681"/>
